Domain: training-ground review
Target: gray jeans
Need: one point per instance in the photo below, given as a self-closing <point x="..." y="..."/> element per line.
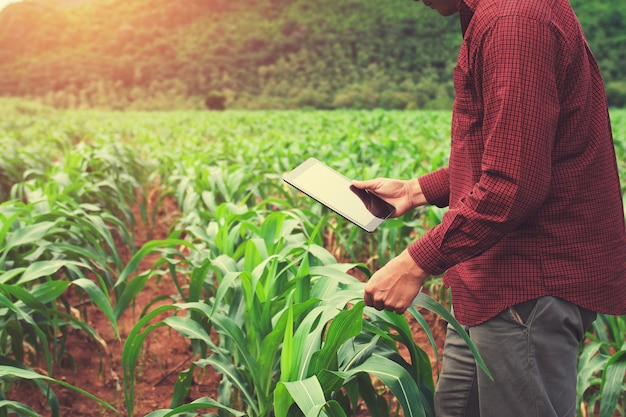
<point x="530" y="350"/>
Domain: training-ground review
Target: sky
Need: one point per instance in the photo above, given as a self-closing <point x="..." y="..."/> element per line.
<point x="3" y="3"/>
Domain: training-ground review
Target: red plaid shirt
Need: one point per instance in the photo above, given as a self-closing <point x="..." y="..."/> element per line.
<point x="535" y="206"/>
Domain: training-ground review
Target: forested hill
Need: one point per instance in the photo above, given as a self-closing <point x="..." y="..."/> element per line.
<point x="252" y="53"/>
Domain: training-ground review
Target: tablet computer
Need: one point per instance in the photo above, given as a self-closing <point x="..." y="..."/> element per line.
<point x="335" y="191"/>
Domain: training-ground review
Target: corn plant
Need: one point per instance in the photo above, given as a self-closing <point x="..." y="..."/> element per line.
<point x="112" y="178"/>
<point x="19" y="162"/>
<point x="60" y="233"/>
<point x="287" y="316"/>
<point x="602" y="368"/>
<point x="35" y="254"/>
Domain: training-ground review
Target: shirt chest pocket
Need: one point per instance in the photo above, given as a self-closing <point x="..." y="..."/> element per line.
<point x="467" y="111"/>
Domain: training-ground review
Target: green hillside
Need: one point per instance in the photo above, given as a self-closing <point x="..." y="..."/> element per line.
<point x="251" y="54"/>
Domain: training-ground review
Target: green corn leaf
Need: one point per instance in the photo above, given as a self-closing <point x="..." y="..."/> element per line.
<point x="397" y="379"/>
<point x="308" y="336"/>
<point x="132" y="350"/>
<point x="48" y="291"/>
<point x="276" y="289"/>
<point x="427" y="331"/>
<point x="30" y="234"/>
<point x="26" y="235"/>
<point x="303" y="281"/>
<point x="271" y="354"/>
<point x="306" y="393"/>
<point x="9" y="371"/>
<point x="188" y="328"/>
<point x="423" y="300"/>
<point x="97" y="222"/>
<point x="198" y="277"/>
<point x="599" y="327"/>
<point x="612" y="383"/>
<point x="271" y="342"/>
<point x="376" y="404"/>
<point x="421" y="368"/>
<point x="196" y="306"/>
<point x="10" y="274"/>
<point x="229" y="281"/>
<point x="129" y="294"/>
<point x="228" y="327"/>
<point x="228" y="370"/>
<point x="21" y="409"/>
<point x="308" y="339"/>
<point x="286" y="358"/>
<point x="316" y="238"/>
<point x="98" y="297"/>
<point x="196" y="405"/>
<point x="344" y="326"/>
<point x="16" y="332"/>
<point x="7" y="223"/>
<point x="88" y="254"/>
<point x="333" y="271"/>
<point x="322" y="254"/>
<point x="145" y="250"/>
<point x="24" y="298"/>
<point x="261" y="273"/>
<point x="48" y="393"/>
<point x="332" y="381"/>
<point x="41" y="269"/>
<point x="355" y="353"/>
<point x="333" y="409"/>
<point x="321" y="408"/>
<point x="590" y="362"/>
<point x="225" y="264"/>
<point x="252" y="256"/>
<point x="130" y="355"/>
<point x="182" y="386"/>
<point x="271" y="229"/>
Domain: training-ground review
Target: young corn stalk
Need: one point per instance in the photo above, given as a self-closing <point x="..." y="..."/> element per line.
<point x="287" y="316"/>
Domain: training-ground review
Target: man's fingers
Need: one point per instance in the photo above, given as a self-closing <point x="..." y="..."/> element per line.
<point x="366" y="184"/>
<point x="379" y="304"/>
<point x="361" y="185"/>
<point x="367" y="297"/>
<point x="370" y="301"/>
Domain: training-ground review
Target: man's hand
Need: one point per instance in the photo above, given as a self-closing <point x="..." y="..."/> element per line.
<point x="404" y="195"/>
<point x="395" y="286"/>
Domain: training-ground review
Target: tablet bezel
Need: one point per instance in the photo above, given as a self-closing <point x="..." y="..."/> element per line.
<point x="313" y="164"/>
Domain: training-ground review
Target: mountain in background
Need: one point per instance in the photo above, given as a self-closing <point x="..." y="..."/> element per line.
<point x="249" y="54"/>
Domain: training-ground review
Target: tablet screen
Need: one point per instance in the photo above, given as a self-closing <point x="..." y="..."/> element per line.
<point x="336" y="192"/>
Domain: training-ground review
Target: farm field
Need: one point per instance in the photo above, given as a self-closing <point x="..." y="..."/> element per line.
<point x="158" y="262"/>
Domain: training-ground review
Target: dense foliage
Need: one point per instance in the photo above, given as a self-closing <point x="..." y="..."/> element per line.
<point x="164" y="54"/>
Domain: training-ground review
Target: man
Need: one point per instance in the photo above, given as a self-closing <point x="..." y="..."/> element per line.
<point x="533" y="243"/>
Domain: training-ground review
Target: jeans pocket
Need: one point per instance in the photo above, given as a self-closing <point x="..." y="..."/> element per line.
<point x="522" y="311"/>
<point x="516" y="316"/>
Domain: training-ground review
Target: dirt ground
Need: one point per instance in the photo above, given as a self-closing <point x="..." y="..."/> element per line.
<point x="96" y="367"/>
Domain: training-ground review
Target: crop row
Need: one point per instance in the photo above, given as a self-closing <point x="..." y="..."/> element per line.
<point x="266" y="270"/>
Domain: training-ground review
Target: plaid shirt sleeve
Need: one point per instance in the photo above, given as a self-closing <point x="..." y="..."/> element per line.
<point x="519" y="123"/>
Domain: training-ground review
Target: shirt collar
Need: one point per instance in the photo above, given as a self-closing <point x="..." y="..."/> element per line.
<point x="471" y="4"/>
<point x="466" y="11"/>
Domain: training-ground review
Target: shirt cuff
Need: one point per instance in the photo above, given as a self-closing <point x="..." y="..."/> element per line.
<point x="436" y="187"/>
<point x="427" y="256"/>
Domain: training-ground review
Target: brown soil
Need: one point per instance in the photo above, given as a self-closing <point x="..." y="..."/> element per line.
<point x="96" y="367"/>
